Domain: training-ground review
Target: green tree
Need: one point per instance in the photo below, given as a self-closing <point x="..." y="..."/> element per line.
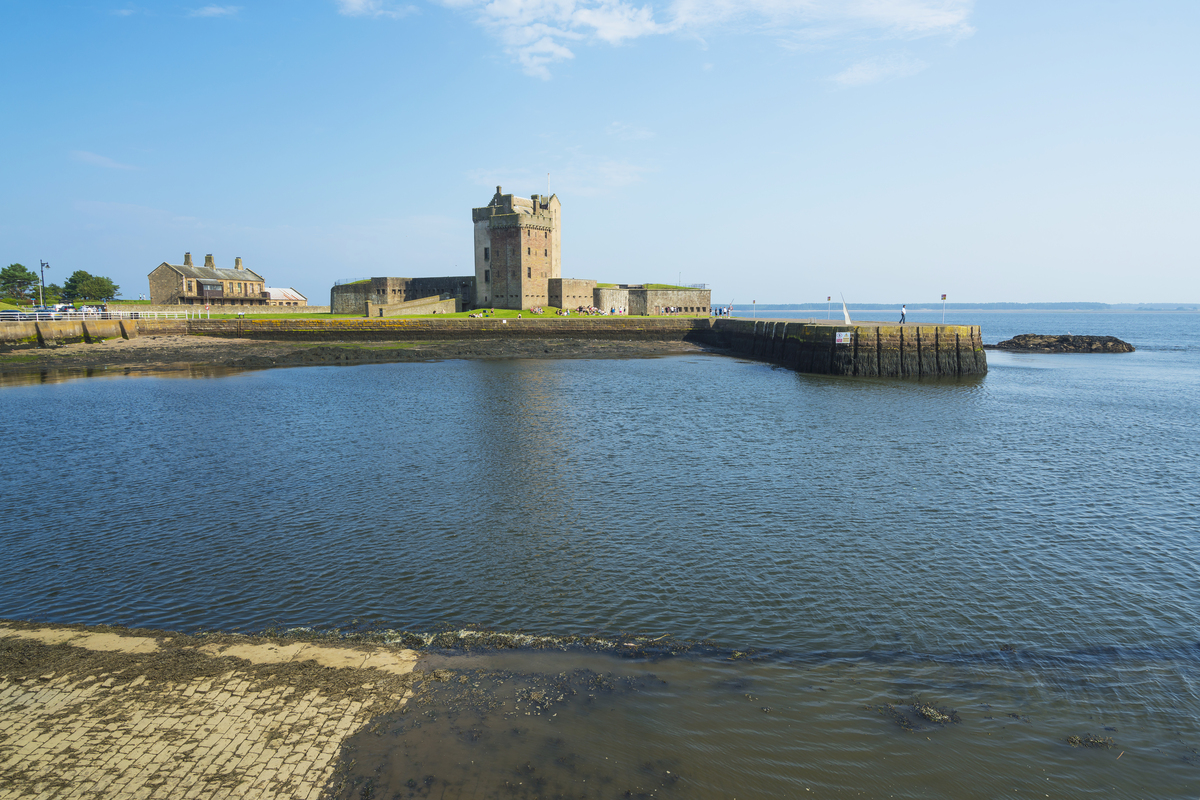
<point x="15" y="280"/>
<point x="82" y="286"/>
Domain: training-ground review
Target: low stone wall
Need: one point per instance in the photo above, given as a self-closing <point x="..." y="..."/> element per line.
<point x="225" y="309"/>
<point x="404" y="329"/>
<point x="866" y="350"/>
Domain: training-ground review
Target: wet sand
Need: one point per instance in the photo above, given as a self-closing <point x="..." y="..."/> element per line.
<point x="174" y="352"/>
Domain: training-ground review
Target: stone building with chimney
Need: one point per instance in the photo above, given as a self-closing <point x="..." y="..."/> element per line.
<point x="189" y="285"/>
<point x="517" y="250"/>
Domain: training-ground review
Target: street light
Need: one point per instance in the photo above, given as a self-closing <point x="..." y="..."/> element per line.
<point x="42" y="288"/>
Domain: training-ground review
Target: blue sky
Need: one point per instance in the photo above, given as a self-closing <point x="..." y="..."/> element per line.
<point x="778" y="150"/>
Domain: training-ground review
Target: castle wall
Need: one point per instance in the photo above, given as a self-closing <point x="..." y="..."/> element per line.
<point x="571" y="293"/>
<point x="351" y="298"/>
<point x="690" y="300"/>
<point x="484" y="268"/>
<point x="649" y="302"/>
<point x="607" y="298"/>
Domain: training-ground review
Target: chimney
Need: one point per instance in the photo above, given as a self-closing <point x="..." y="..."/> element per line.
<point x="187" y="259"/>
<point x="498" y="190"/>
<point x="208" y="262"/>
<point x="237" y="263"/>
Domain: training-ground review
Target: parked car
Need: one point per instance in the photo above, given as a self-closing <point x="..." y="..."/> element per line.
<point x="10" y="314"/>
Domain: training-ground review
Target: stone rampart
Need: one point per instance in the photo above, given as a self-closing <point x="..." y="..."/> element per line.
<point x="861" y="349"/>
<point x="428" y="305"/>
<point x="351" y="298"/>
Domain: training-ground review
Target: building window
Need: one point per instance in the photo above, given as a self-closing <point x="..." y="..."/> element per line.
<point x="487" y="276"/>
<point x="529" y="272"/>
<point x="546" y="252"/>
<point x="487" y="253"/>
<point x="528" y="251"/>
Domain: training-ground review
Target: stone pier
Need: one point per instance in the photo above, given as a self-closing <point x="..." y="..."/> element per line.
<point x="864" y="349"/>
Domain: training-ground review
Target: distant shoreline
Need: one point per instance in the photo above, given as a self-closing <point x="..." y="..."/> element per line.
<point x="739" y="311"/>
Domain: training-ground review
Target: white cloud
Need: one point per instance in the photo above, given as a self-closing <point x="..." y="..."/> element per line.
<point x="577" y="174"/>
<point x="882" y="68"/>
<point x="374" y="8"/>
<point x="628" y="132"/>
<point x="215" y="11"/>
<point x="540" y="33"/>
<point x="122" y="12"/>
<point x="895" y="17"/>
<point x="98" y="161"/>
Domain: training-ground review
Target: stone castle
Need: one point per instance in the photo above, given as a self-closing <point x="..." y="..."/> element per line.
<point x="518" y="265"/>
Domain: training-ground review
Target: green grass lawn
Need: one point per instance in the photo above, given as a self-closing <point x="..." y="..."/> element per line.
<point x="251" y="315"/>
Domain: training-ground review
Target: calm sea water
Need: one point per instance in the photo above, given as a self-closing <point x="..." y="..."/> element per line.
<point x="1022" y="548"/>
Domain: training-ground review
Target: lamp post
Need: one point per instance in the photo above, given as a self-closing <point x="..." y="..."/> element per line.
<point x="42" y="287"/>
<point x="943" y="309"/>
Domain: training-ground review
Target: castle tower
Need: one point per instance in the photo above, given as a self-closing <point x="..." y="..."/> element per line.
<point x="516" y="250"/>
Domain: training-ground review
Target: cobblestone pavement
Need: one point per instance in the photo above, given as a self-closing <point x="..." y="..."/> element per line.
<point x="89" y="713"/>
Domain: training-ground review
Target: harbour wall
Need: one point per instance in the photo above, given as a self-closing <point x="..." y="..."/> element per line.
<point x="862" y="349"/>
<point x="49" y="333"/>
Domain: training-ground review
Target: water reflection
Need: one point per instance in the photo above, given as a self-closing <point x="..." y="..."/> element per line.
<point x="48" y="376"/>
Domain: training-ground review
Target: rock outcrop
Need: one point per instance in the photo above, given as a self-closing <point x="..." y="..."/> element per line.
<point x="1042" y="343"/>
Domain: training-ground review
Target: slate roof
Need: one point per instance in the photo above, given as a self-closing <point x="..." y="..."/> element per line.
<point x="211" y="274"/>
<point x="284" y="294"/>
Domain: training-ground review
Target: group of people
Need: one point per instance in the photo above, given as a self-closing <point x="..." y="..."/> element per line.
<point x="592" y="311"/>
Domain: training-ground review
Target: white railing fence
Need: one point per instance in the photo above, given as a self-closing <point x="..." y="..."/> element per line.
<point x="65" y="316"/>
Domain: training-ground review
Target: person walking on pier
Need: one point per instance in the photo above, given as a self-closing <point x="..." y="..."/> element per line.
<point x="903" y="313"/>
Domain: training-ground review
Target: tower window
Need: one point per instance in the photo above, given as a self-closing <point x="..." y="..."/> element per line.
<point x="487" y="253"/>
<point x="487" y="275"/>
<point x="529" y="272"/>
<point x="546" y="252"/>
<point x="528" y="251"/>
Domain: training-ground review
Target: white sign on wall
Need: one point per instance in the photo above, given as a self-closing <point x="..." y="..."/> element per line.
<point x="844" y="337"/>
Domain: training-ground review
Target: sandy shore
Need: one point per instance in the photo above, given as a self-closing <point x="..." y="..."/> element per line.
<point x="172" y="352"/>
<point x="104" y="712"/>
